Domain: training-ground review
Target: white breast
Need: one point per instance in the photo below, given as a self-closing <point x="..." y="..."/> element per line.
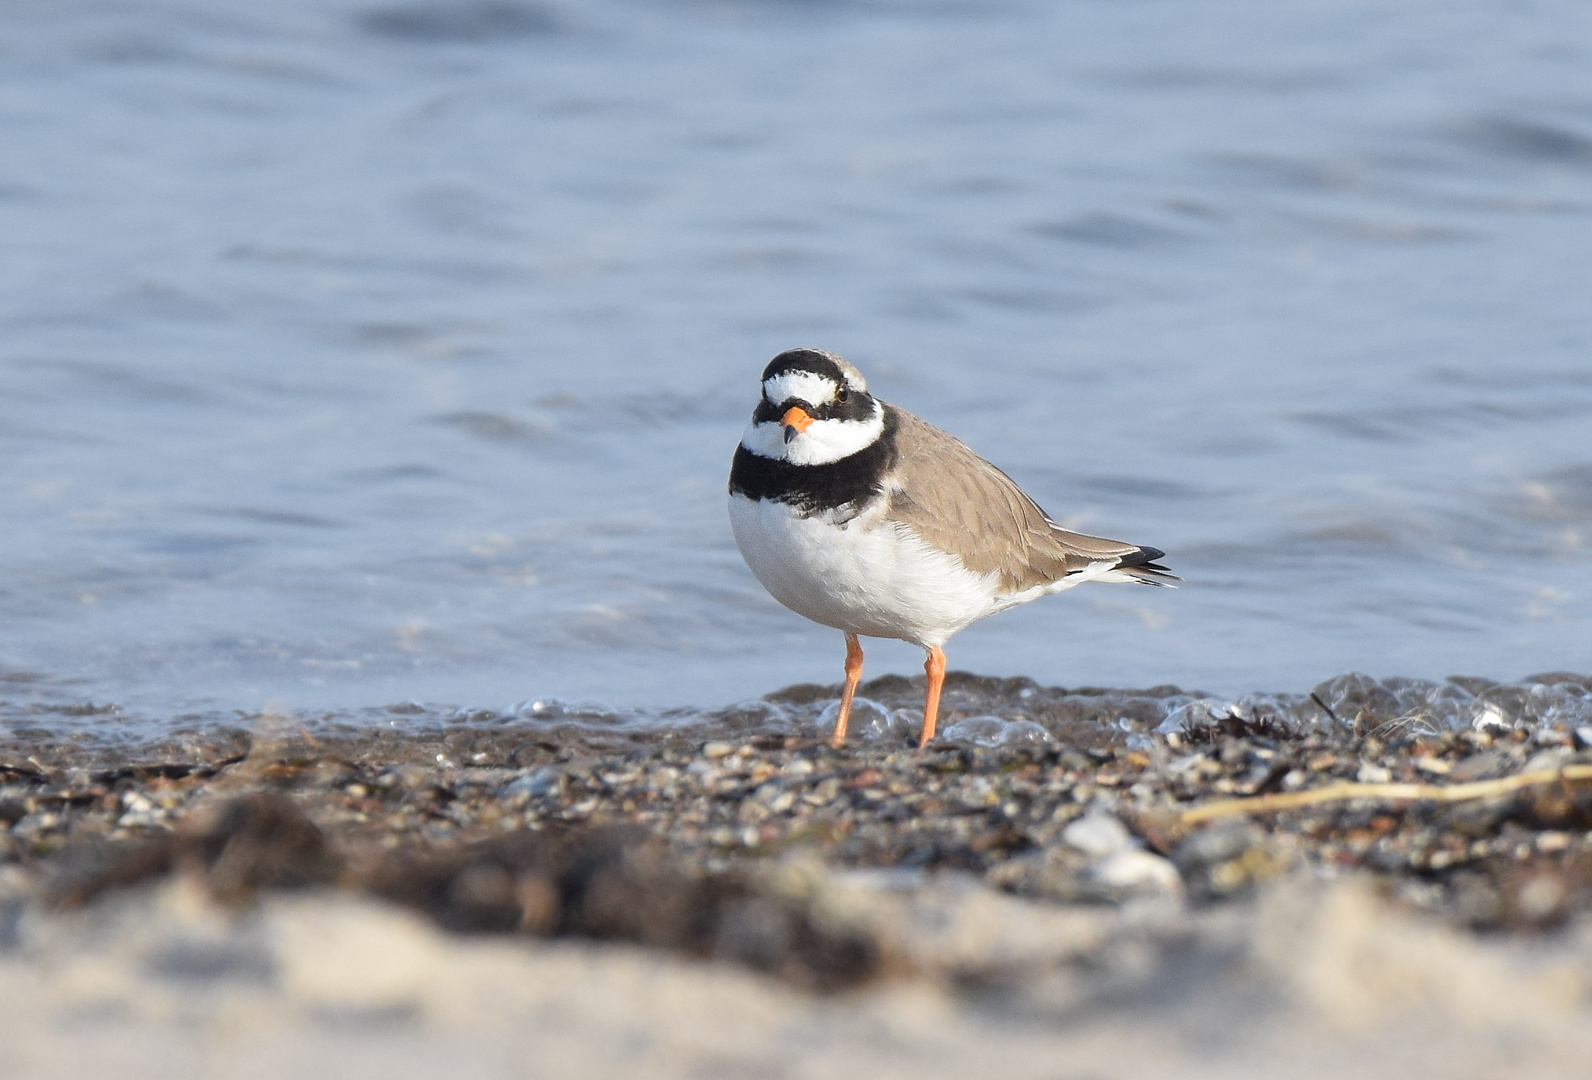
<point x="867" y="575"/>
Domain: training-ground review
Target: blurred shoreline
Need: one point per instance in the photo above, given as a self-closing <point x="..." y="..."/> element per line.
<point x="568" y="900"/>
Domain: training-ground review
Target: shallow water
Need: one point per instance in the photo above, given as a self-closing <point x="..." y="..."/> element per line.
<point x="357" y="353"/>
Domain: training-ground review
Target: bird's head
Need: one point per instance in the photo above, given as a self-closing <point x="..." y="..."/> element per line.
<point x="815" y="408"/>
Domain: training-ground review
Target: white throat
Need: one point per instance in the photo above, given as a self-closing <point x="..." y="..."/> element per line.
<point x="824" y="441"/>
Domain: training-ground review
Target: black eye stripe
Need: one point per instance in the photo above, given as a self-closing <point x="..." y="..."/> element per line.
<point x="857" y="407"/>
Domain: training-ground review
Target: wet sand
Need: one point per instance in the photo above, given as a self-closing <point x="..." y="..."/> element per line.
<point x="543" y="898"/>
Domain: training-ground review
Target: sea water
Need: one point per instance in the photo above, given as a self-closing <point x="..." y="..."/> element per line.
<point x="359" y="353"/>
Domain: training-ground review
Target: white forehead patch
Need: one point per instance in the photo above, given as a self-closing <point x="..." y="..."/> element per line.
<point x="816" y="390"/>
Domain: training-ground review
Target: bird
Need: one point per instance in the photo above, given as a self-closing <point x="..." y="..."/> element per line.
<point x="862" y="517"/>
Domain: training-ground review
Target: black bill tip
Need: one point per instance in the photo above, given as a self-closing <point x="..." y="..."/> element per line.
<point x="790" y="433"/>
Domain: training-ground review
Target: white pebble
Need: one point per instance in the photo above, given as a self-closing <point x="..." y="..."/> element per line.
<point x="1138" y="872"/>
<point x="1096" y="835"/>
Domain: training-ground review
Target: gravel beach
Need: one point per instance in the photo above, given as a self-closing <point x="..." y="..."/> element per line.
<point x="1167" y="886"/>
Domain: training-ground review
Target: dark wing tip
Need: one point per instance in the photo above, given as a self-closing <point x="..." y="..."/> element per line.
<point x="1142" y="567"/>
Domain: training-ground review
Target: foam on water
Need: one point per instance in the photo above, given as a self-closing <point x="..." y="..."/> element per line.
<point x="977" y="713"/>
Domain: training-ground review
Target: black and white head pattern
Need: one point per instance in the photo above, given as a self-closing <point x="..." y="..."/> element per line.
<point x="835" y="463"/>
<point x="827" y="388"/>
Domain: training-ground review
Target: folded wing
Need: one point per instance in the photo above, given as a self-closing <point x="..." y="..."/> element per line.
<point x="963" y="505"/>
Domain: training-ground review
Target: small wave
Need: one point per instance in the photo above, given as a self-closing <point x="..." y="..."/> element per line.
<point x="466" y="23"/>
<point x="976" y="712"/>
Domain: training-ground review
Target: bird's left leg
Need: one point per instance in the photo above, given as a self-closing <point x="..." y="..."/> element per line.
<point x="934" y="668"/>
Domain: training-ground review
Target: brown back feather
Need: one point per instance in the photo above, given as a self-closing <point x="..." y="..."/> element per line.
<point x="961" y="504"/>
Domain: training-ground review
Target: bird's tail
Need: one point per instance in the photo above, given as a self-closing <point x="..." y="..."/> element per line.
<point x="1140" y="566"/>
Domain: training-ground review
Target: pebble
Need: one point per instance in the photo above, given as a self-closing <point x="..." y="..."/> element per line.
<point x="1548" y="760"/>
<point x="1133" y="872"/>
<point x="1217" y="843"/>
<point x="1096" y="835"/>
<point x="538" y="783"/>
<point x="1490" y="718"/>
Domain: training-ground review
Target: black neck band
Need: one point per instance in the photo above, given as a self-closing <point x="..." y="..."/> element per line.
<point x="814" y="488"/>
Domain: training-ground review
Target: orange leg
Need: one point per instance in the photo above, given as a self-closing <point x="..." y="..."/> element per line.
<point x="853" y="676"/>
<point x="934" y="667"/>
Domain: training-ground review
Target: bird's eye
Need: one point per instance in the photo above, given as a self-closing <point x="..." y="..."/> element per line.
<point x="842" y="394"/>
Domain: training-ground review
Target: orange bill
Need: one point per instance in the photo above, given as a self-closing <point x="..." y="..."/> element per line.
<point x="795" y="420"/>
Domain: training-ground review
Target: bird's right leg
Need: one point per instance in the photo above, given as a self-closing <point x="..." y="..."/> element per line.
<point x="934" y="669"/>
<point x="853" y="676"/>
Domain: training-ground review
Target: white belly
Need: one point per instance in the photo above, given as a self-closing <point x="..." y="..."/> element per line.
<point x="869" y="576"/>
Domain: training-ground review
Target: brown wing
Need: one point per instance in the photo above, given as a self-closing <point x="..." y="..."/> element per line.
<point x="961" y="504"/>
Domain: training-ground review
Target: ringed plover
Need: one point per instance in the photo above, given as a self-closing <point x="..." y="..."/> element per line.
<point x="862" y="517"/>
